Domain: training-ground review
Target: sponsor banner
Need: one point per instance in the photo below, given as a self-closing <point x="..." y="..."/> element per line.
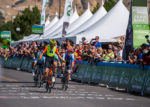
<point x="67" y="14"/>
<point x="140" y="15"/>
<point x="5" y="34"/>
<point x="43" y="12"/>
<point x="139" y="33"/>
<point x="5" y="38"/>
<point x="37" y="29"/>
<point x="128" y="47"/>
<point x="140" y="22"/>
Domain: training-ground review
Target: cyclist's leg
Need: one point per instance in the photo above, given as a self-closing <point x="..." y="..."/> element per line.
<point x="47" y="64"/>
<point x="69" y="69"/>
<point x="33" y="66"/>
<point x="55" y="68"/>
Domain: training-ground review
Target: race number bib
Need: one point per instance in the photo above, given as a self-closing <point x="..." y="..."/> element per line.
<point x="51" y="51"/>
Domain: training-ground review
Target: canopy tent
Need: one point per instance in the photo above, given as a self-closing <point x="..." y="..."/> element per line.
<point x="112" y="25"/>
<point x="73" y="18"/>
<point x="46" y="28"/>
<point x="101" y="12"/>
<point x="32" y="38"/>
<point x="47" y="21"/>
<point x="53" y="28"/>
<point x="82" y="19"/>
<point x="27" y="37"/>
<point x="53" y="22"/>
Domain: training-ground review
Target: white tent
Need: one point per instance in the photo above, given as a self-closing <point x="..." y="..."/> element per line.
<point x="82" y="19"/>
<point x="47" y="21"/>
<point x="32" y="37"/>
<point x="101" y="12"/>
<point x="97" y="16"/>
<point x="53" y="28"/>
<point x="73" y="18"/>
<point x="53" y="22"/>
<point x="112" y="25"/>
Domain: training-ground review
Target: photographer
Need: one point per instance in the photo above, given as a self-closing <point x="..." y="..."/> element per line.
<point x="96" y="42"/>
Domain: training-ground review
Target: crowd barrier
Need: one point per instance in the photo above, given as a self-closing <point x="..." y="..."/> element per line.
<point x="130" y="77"/>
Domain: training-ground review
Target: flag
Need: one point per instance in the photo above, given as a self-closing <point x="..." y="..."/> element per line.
<point x="43" y="12"/>
<point x="67" y="14"/>
<point x="128" y="47"/>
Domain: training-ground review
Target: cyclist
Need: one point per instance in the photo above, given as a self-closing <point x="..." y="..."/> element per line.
<point x="41" y="61"/>
<point x="35" y="59"/>
<point x="69" y="58"/>
<point x="50" y="51"/>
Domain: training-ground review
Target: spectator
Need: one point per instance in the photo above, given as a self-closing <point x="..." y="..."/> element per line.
<point x="108" y="55"/>
<point x="78" y="53"/>
<point x="96" y="43"/>
<point x="84" y="41"/>
<point x="119" y="53"/>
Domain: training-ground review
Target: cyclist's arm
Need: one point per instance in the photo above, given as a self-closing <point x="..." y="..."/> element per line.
<point x="72" y="61"/>
<point x="59" y="55"/>
<point x="63" y="64"/>
<point x="43" y="52"/>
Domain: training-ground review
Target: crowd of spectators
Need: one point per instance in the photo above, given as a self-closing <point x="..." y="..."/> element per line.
<point x="91" y="51"/>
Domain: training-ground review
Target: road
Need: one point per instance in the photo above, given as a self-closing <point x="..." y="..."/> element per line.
<point x="16" y="90"/>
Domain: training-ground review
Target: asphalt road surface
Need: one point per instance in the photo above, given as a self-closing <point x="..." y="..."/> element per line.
<point x="16" y="90"/>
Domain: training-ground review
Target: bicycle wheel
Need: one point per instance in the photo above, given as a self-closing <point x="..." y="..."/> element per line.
<point x="65" y="81"/>
<point x="36" y="78"/>
<point x="39" y="79"/>
<point x="49" y="82"/>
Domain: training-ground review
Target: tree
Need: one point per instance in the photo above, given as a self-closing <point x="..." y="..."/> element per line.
<point x="1" y="18"/>
<point x="24" y="22"/>
<point x="109" y="4"/>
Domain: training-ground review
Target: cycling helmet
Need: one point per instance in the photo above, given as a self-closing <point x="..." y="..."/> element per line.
<point x="53" y="42"/>
<point x="70" y="49"/>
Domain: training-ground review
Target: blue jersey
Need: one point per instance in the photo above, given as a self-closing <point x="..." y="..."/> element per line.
<point x="68" y="58"/>
<point x="43" y="58"/>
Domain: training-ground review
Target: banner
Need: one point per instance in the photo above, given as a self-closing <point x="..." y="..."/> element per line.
<point x="37" y="29"/>
<point x="129" y="38"/>
<point x="67" y="14"/>
<point x="43" y="12"/>
<point x="140" y="22"/>
<point x="5" y="38"/>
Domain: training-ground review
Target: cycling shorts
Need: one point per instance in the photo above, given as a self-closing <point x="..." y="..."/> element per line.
<point x="49" y="62"/>
<point x="68" y="66"/>
<point x="42" y="61"/>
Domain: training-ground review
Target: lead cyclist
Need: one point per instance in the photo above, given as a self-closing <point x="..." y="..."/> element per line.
<point x="50" y="51"/>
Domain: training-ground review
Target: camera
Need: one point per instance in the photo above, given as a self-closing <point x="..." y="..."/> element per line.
<point x="147" y="36"/>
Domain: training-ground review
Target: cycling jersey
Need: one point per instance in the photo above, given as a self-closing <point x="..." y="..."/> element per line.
<point x="50" y="52"/>
<point x="42" y="60"/>
<point x="69" y="60"/>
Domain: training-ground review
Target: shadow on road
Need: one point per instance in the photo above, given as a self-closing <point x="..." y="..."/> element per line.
<point x="15" y="82"/>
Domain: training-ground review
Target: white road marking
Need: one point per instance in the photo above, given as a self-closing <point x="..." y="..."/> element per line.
<point x="90" y="97"/>
<point x="129" y="99"/>
<point x="100" y="98"/>
<point x="112" y="98"/>
<point x="109" y="95"/>
<point x="35" y="97"/>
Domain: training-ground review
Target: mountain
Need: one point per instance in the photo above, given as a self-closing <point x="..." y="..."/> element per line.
<point x="10" y="8"/>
